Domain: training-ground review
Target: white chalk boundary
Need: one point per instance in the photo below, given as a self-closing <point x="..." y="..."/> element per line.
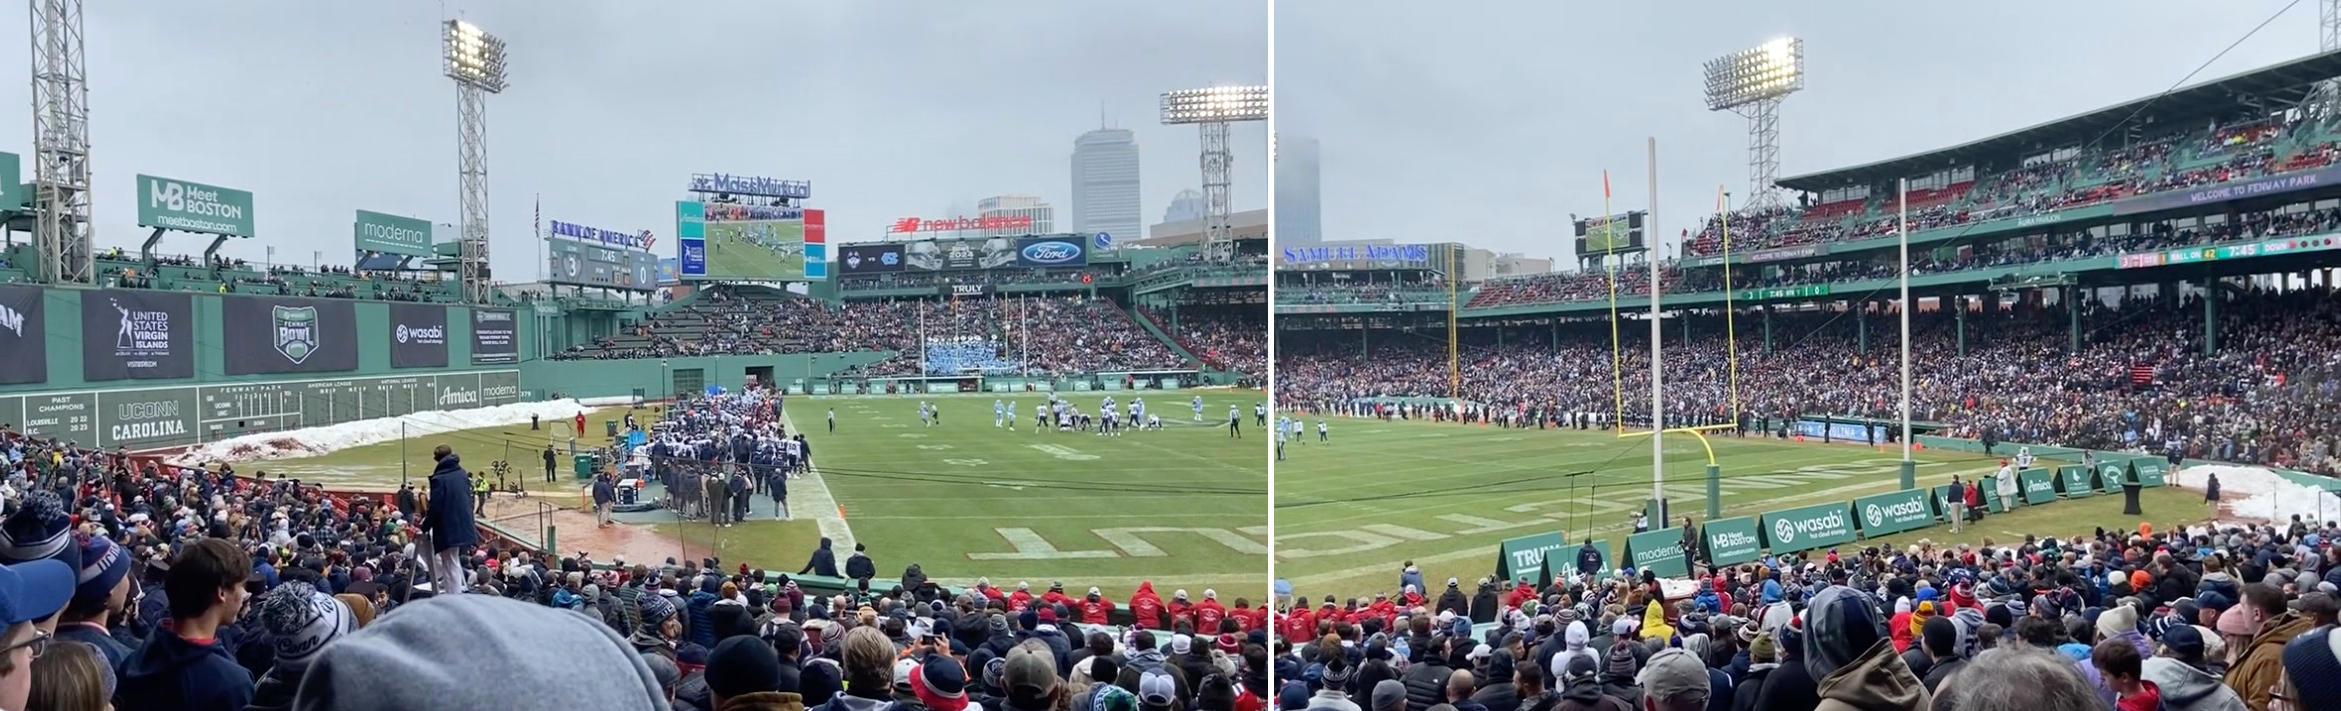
<point x="812" y="493"/>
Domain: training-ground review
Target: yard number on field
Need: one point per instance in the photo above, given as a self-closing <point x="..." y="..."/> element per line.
<point x="1063" y="452"/>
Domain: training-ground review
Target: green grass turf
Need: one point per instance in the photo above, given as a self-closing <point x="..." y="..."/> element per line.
<point x="942" y="496"/>
<point x="1350" y="512"/>
<point x="381" y="464"/>
<point x="731" y="255"/>
<point x="769" y="545"/>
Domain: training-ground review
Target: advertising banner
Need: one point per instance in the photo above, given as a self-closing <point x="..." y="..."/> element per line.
<point x="1731" y="541"/>
<point x="494" y="336"/>
<point x="2263" y="187"/>
<point x="11" y="182"/>
<point x="458" y="392"/>
<point x="1887" y="514"/>
<point x="1660" y="552"/>
<point x="1523" y="558"/>
<point x="1808" y="527"/>
<point x="193" y="207"/>
<point x="2150" y="471"/>
<point x="67" y="416"/>
<point x="2039" y="485"/>
<point x="137" y="335"/>
<point x="2111" y="473"/>
<point x="1051" y="252"/>
<point x="263" y="334"/>
<point x="964" y="290"/>
<point x="942" y="254"/>
<point x="392" y="234"/>
<point x="2076" y="481"/>
<point x="418" y="336"/>
<point x="691" y="238"/>
<point x="869" y="259"/>
<point x="816" y="245"/>
<point x="23" y="335"/>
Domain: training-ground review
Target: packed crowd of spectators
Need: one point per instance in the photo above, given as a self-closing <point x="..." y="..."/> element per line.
<point x="2204" y="618"/>
<point x="1232" y="339"/>
<point x="1047" y="335"/>
<point x="156" y="587"/>
<point x="1345" y="292"/>
<point x="1924" y="260"/>
<point x="2259" y="399"/>
<point x="2178" y="162"/>
<point x="987" y="277"/>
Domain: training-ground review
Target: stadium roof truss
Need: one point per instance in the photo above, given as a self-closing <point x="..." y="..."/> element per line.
<point x="2276" y="86"/>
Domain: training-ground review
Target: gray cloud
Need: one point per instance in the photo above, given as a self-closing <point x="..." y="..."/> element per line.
<point x="1489" y="123"/>
<point x="891" y="109"/>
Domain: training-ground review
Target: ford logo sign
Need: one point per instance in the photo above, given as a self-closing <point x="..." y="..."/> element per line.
<point x="1051" y="252"/>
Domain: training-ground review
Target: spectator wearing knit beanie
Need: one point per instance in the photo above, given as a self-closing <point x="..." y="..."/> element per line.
<point x="301" y="620"/>
<point x="101" y="590"/>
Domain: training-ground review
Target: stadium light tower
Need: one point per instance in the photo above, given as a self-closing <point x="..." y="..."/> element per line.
<point x="1751" y="83"/>
<point x="1214" y="109"/>
<point x="475" y="60"/>
<point x="62" y="231"/>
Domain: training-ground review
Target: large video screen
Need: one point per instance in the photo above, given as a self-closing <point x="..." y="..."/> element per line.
<point x="737" y="242"/>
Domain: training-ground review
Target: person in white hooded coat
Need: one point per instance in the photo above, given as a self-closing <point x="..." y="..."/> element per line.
<point x="1573" y="640"/>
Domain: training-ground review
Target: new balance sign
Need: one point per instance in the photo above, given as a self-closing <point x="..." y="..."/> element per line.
<point x="1808" y="527"/>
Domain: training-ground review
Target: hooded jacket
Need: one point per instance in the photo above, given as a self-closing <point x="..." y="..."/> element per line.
<point x="1573" y="645"/>
<point x="1874" y="681"/>
<point x="1654" y="624"/>
<point x="1751" y="686"/>
<point x="1585" y="695"/>
<point x="1146" y="607"/>
<point x="1453" y="601"/>
<point x="2185" y="688"/>
<point x="171" y="672"/>
<point x="2263" y="662"/>
<point x="823" y="562"/>
<point x="449" y="521"/>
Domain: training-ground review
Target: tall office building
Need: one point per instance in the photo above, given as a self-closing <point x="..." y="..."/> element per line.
<point x="1187" y="205"/>
<point x="1105" y="183"/>
<point x="1298" y="220"/>
<point x="1044" y="218"/>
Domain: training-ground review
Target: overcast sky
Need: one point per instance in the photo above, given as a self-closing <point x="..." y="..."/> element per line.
<point x="1490" y="123"/>
<point x="891" y="109"/>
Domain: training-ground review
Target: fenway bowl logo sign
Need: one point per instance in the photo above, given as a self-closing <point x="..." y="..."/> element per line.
<point x="1052" y="252"/>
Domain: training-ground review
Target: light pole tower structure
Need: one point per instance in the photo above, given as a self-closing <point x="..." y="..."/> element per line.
<point x="62" y="231"/>
<point x="475" y="60"/>
<point x="2329" y="39"/>
<point x="1751" y="83"/>
<point x="1214" y="110"/>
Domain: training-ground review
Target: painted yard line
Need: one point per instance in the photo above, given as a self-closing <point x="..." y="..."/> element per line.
<point x="1480" y="468"/>
<point x="813" y="493"/>
<point x="1481" y="551"/>
<point x="1103" y="517"/>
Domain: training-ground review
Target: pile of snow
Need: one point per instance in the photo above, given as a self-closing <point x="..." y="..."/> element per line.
<point x="313" y="441"/>
<point x="2267" y="495"/>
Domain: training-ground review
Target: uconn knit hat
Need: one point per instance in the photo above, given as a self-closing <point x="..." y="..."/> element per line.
<point x="301" y="620"/>
<point x="39" y="530"/>
<point x="103" y="565"/>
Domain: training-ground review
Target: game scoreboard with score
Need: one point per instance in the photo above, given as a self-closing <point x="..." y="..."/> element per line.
<point x="147" y="418"/>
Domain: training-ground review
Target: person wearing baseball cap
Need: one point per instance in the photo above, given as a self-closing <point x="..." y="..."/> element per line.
<point x="1674" y="680"/>
<point x="29" y="592"/>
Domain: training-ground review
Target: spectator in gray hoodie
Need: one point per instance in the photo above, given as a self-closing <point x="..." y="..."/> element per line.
<point x="408" y="661"/>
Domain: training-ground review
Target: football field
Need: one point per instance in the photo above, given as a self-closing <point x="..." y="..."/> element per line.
<point x="1184" y="507"/>
<point x="1351" y="511"/>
